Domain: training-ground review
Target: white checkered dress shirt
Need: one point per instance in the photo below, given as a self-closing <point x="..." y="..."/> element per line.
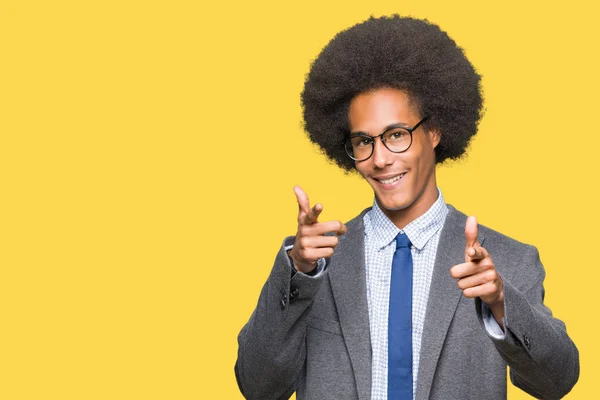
<point x="380" y="233"/>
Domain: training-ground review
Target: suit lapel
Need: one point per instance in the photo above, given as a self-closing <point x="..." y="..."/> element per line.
<point x="444" y="296"/>
<point x="348" y="284"/>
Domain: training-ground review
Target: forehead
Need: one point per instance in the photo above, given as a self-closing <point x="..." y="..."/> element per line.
<point x="372" y="111"/>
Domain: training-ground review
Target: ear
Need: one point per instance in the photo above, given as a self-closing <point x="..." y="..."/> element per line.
<point x="434" y="135"/>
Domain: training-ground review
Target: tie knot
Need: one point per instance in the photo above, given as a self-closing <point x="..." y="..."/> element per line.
<point x="402" y="241"/>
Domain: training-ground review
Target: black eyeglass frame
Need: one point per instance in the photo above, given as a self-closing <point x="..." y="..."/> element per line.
<point x="380" y="136"/>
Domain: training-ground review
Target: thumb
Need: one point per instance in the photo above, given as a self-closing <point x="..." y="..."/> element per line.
<point x="471" y="231"/>
<point x="303" y="203"/>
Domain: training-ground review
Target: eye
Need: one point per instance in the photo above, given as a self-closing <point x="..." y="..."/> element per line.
<point x="365" y="142"/>
<point x="397" y="134"/>
<point x="361" y="141"/>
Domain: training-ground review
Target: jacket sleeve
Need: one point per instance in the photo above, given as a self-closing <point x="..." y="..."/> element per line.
<point x="543" y="360"/>
<point x="272" y="345"/>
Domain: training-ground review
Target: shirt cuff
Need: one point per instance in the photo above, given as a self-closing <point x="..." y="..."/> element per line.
<point x="491" y="325"/>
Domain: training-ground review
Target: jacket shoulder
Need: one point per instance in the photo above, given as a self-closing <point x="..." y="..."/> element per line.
<point x="459" y="218"/>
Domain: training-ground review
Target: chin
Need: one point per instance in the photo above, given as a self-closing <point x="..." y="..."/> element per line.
<point x="393" y="204"/>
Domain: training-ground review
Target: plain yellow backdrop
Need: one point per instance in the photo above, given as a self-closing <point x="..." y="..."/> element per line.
<point x="148" y="151"/>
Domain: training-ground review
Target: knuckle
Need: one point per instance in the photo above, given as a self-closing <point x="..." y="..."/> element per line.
<point x="489" y="288"/>
<point x="303" y="242"/>
<point x="480" y="264"/>
<point x="486" y="265"/>
<point x="487" y="276"/>
<point x="306" y="255"/>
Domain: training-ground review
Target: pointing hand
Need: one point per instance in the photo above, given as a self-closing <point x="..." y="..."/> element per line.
<point x="310" y="243"/>
<point x="477" y="276"/>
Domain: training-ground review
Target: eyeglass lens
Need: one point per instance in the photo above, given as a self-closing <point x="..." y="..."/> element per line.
<point x="360" y="147"/>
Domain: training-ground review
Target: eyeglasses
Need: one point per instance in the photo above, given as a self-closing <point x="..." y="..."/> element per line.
<point x="396" y="139"/>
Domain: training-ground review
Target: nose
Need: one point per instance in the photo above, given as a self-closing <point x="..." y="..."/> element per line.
<point x="381" y="155"/>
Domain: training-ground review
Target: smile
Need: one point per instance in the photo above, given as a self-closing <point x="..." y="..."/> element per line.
<point x="391" y="180"/>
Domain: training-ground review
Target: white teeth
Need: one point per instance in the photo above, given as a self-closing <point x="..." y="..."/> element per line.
<point x="391" y="180"/>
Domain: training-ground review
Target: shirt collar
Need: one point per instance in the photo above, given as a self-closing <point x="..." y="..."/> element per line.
<point x="419" y="231"/>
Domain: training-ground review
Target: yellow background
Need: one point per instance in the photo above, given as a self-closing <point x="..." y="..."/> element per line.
<point x="148" y="151"/>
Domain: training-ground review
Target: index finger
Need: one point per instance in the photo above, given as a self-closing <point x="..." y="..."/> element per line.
<point x="313" y="215"/>
<point x="476" y="253"/>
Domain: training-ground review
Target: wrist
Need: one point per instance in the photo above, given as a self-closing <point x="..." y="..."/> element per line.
<point x="305" y="268"/>
<point x="497" y="309"/>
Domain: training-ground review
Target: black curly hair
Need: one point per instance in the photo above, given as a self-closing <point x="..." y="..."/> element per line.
<point x="398" y="52"/>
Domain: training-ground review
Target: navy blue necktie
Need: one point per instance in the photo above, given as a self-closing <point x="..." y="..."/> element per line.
<point x="400" y="384"/>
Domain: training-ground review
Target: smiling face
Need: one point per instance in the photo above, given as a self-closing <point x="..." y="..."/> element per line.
<point x="404" y="183"/>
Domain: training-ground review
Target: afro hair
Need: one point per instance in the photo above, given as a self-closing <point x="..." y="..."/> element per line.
<point x="398" y="52"/>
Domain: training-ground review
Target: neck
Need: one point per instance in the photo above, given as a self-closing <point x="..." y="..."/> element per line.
<point x="420" y="206"/>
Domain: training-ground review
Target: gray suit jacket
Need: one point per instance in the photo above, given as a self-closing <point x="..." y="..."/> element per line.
<point x="311" y="335"/>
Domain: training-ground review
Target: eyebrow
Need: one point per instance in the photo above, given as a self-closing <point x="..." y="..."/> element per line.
<point x="387" y="128"/>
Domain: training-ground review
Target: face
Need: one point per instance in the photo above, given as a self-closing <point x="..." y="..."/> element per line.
<point x="404" y="183"/>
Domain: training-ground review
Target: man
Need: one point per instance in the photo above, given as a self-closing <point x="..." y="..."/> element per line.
<point x="410" y="299"/>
